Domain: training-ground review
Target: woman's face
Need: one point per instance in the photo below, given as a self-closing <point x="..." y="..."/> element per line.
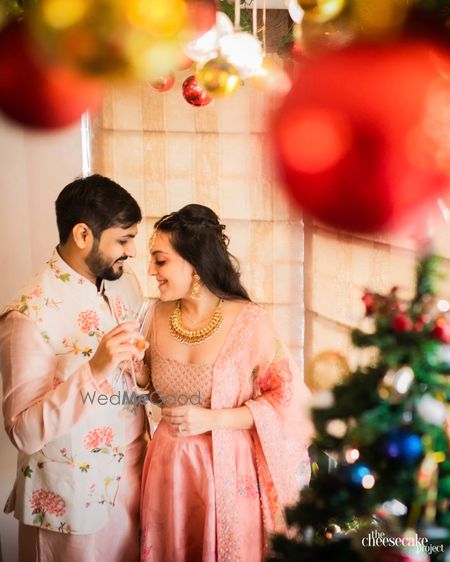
<point x="172" y="272"/>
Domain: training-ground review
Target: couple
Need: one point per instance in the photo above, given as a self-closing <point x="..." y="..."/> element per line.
<point x="216" y="476"/>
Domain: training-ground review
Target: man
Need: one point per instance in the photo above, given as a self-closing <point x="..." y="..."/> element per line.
<point x="77" y="488"/>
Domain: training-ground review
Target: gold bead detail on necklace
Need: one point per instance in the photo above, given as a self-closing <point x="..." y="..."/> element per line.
<point x="197" y="335"/>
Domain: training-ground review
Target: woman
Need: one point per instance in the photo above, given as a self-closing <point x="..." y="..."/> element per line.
<point x="231" y="449"/>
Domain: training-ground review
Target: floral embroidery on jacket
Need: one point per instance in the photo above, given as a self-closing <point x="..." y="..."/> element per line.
<point x="29" y="305"/>
<point x="64" y="277"/>
<point x="89" y="323"/>
<point x="109" y="493"/>
<point x="74" y="348"/>
<point x="97" y="437"/>
<point x="44" y="502"/>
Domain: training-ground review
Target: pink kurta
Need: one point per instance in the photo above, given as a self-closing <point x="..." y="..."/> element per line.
<point x="218" y="496"/>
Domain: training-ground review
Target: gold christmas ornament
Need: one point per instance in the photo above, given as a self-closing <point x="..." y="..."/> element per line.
<point x="198" y="335"/>
<point x="325" y="370"/>
<point x="113" y="37"/>
<point x="375" y="19"/>
<point x="321" y="11"/>
<point x="218" y="77"/>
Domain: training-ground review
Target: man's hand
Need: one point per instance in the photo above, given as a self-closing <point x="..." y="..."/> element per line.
<point x="115" y="346"/>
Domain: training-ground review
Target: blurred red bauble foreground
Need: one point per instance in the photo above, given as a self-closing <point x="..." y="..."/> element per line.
<point x="39" y="94"/>
<point x="361" y="140"/>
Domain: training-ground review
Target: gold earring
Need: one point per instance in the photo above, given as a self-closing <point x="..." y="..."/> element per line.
<point x="195" y="293"/>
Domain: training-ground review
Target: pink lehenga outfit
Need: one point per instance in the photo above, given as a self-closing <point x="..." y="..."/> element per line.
<point x="218" y="496"/>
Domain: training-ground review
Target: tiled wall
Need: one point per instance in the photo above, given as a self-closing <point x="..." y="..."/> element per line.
<point x="338" y="267"/>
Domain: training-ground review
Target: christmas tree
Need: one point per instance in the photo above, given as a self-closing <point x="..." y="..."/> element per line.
<point x="387" y="426"/>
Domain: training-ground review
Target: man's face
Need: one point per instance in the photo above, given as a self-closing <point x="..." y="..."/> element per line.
<point x="107" y="256"/>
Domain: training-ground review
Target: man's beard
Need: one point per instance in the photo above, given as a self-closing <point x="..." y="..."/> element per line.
<point x="100" y="267"/>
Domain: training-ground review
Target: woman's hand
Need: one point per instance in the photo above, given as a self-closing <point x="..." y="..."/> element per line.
<point x="185" y="421"/>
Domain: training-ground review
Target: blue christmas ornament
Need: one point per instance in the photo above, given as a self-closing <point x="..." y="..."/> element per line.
<point x="402" y="445"/>
<point x="353" y="474"/>
<point x="412" y="447"/>
<point x="357" y="472"/>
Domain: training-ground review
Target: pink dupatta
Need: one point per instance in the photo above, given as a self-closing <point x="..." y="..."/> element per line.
<point x="255" y="369"/>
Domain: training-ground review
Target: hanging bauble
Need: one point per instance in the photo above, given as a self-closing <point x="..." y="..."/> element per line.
<point x="114" y="37"/>
<point x="357" y="476"/>
<point x="402" y="445"/>
<point x="396" y="384"/>
<point x="431" y="410"/>
<point x="332" y="531"/>
<point x="201" y="15"/>
<point x="402" y="322"/>
<point x="336" y="428"/>
<point x="325" y="370"/>
<point x="271" y="77"/>
<point x="37" y="93"/>
<point x="194" y="94"/>
<point x="320" y="11"/>
<point x="205" y="47"/>
<point x="295" y="11"/>
<point x="163" y="83"/>
<point x="218" y="77"/>
<point x="243" y="51"/>
<point x="340" y="120"/>
<point x="441" y="331"/>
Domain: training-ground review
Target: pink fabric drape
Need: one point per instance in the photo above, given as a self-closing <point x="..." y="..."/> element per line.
<point x="255" y="369"/>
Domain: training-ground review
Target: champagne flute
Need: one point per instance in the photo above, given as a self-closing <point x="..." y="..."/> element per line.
<point x="141" y="318"/>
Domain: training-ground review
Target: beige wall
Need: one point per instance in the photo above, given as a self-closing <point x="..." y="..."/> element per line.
<point x="338" y="267"/>
<point x="33" y="169"/>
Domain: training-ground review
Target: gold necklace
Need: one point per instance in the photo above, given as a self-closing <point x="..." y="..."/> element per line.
<point x="197" y="335"/>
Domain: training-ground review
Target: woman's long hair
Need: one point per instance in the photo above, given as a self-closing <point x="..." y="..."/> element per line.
<point x="197" y="235"/>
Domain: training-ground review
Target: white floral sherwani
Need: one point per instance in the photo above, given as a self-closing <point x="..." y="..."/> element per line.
<point x="71" y="447"/>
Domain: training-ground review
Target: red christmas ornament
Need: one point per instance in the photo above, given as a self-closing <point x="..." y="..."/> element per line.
<point x="402" y="323"/>
<point x="201" y="15"/>
<point x="40" y="95"/>
<point x="441" y="331"/>
<point x="163" y="83"/>
<point x="369" y="302"/>
<point x="194" y="94"/>
<point x="360" y="140"/>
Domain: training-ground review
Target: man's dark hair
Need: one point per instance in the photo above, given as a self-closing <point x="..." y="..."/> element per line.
<point x="96" y="201"/>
